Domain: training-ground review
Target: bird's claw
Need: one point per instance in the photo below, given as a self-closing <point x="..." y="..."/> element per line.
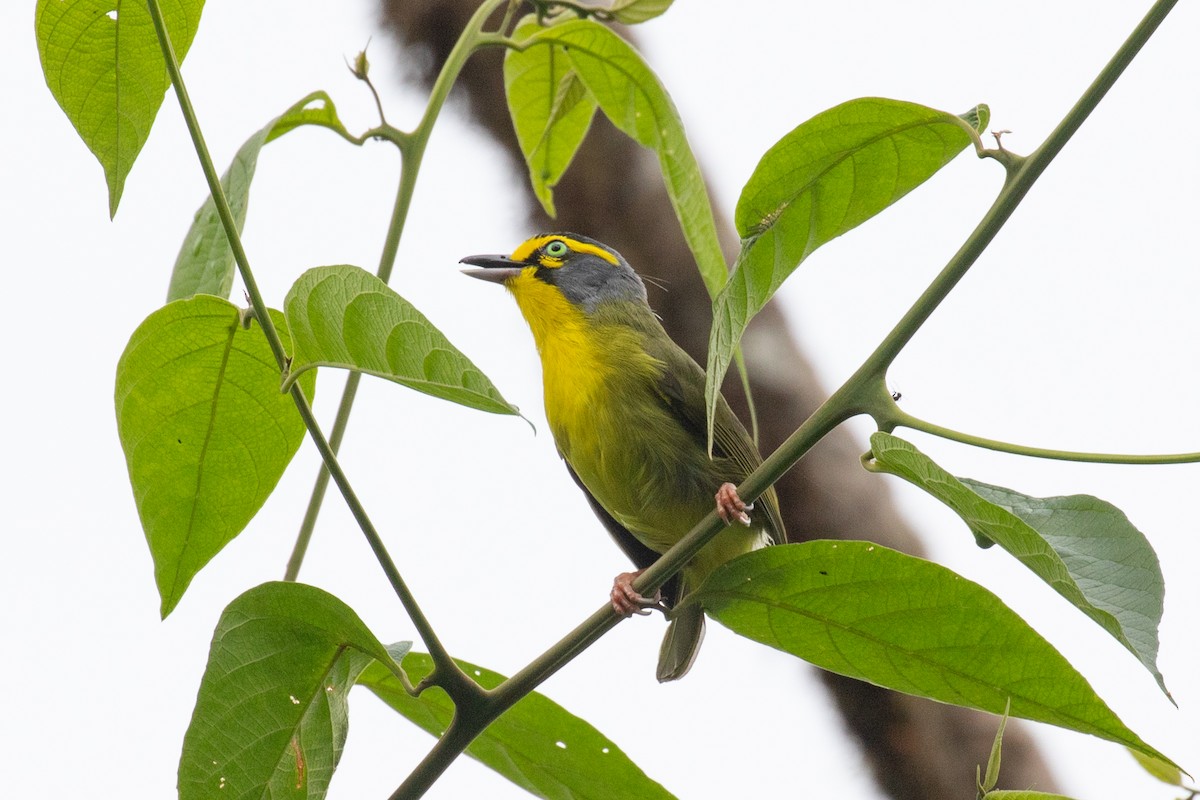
<point x="730" y="507"/>
<point x="626" y="601"/>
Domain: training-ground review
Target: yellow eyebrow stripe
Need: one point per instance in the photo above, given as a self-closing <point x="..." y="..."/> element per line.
<point x="528" y="248"/>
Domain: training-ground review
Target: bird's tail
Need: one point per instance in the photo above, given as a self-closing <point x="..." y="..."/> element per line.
<point x="681" y="642"/>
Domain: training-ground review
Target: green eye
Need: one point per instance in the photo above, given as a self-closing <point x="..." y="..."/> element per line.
<point x="557" y="248"/>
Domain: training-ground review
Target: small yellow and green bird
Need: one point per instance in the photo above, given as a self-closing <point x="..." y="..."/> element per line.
<point x="626" y="407"/>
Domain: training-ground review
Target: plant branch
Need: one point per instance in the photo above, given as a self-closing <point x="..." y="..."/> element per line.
<point x="1021" y="175"/>
<point x="428" y="636"/>
<point x="214" y="184"/>
<point x="903" y="419"/>
<point x="865" y="392"/>
<point x="454" y="741"/>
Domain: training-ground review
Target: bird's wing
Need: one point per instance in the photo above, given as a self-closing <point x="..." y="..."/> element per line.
<point x="682" y="389"/>
<point x="641" y="555"/>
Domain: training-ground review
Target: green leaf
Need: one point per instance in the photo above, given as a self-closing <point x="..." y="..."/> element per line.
<point x="345" y="317"/>
<point x="830" y="174"/>
<point x="317" y="108"/>
<point x="992" y="775"/>
<point x="205" y="430"/>
<point x="630" y="95"/>
<point x="550" y="108"/>
<point x="537" y="744"/>
<point x="633" y="12"/>
<point x="270" y="717"/>
<point x="862" y="610"/>
<point x="977" y="118"/>
<point x="205" y="261"/>
<point x="103" y="65"/>
<point x="1159" y="769"/>
<point x="1110" y="561"/>
<point x="1083" y="547"/>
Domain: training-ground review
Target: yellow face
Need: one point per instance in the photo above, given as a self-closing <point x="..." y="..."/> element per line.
<point x="552" y="250"/>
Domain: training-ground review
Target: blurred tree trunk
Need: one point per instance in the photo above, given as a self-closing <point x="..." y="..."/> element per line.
<point x="918" y="750"/>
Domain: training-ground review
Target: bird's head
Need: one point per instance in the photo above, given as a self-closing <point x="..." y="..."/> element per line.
<point x="580" y="270"/>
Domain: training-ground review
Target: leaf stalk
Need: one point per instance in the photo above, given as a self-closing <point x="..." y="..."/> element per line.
<point x="901" y="418"/>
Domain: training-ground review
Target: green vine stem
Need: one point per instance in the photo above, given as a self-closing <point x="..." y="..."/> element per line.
<point x="865" y="392"/>
<point x="901" y="418"/>
<point x="412" y="148"/>
<point x="446" y="667"/>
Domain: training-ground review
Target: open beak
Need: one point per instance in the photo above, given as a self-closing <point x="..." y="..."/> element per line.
<point x="496" y="269"/>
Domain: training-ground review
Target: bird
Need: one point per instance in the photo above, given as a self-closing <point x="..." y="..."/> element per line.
<point x="625" y="405"/>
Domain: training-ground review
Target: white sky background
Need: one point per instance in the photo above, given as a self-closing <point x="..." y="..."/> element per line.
<point x="1075" y="330"/>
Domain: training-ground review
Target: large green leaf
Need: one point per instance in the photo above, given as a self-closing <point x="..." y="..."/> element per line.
<point x="205" y="261"/>
<point x="345" y="317"/>
<point x="537" y="744"/>
<point x="205" y="430"/>
<point x="631" y="96"/>
<point x="828" y="175"/>
<point x="550" y="108"/>
<point x="1022" y="794"/>
<point x="103" y="65"/>
<point x="270" y="717"/>
<point x="862" y="610"/>
<point x="1085" y="548"/>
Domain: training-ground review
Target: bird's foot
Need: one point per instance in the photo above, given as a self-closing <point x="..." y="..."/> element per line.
<point x="730" y="507"/>
<point x="626" y="600"/>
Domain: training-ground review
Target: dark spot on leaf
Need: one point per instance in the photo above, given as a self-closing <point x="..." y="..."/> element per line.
<point x="823" y="572"/>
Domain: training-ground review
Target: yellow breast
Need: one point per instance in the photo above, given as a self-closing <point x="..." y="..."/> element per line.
<point x="575" y="365"/>
<point x="634" y="458"/>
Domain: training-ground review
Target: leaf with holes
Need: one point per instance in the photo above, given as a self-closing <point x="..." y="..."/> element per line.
<point x="537" y="744"/>
<point x="205" y="261"/>
<point x="345" y="317"/>
<point x="862" y="610"/>
<point x="103" y="65"/>
<point x="1084" y="548"/>
<point x="550" y="108"/>
<point x="271" y="717"/>
<point x="206" y="432"/>
<point x="829" y="175"/>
